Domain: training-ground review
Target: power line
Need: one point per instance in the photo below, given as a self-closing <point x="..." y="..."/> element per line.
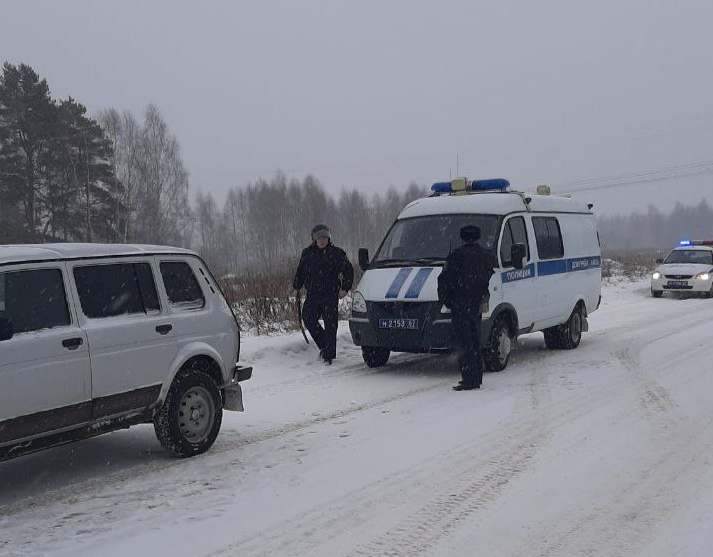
<point x="665" y="173"/>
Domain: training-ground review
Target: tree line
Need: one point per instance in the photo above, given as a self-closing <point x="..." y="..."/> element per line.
<point x="655" y="229"/>
<point x="67" y="177"/>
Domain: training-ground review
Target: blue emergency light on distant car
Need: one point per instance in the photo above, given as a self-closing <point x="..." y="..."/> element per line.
<point x="685" y="243"/>
<point x="494" y="184"/>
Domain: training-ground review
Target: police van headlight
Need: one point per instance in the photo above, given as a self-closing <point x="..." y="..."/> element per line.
<point x="358" y="303"/>
<point x="656" y="275"/>
<point x="703" y="276"/>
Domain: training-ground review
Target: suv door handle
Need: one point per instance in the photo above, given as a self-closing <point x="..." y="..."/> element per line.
<point x="72" y="343"/>
<point x="164" y="329"/>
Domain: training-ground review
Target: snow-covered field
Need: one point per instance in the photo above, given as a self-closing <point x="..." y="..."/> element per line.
<point x="606" y="450"/>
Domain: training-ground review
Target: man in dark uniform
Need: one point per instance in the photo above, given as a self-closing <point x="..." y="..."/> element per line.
<point x="462" y="286"/>
<point x="325" y="271"/>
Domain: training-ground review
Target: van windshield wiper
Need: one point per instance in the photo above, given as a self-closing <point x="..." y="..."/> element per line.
<point x="399" y="262"/>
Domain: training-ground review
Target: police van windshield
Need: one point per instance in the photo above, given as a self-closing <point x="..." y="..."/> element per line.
<point x="700" y="257"/>
<point x="429" y="239"/>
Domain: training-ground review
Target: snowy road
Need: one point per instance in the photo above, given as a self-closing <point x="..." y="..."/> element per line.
<point x="606" y="450"/>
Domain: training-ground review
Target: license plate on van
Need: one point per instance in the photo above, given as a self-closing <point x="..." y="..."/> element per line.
<point x="398" y="323"/>
<point x="677" y="283"/>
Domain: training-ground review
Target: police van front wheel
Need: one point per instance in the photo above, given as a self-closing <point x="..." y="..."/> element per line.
<point x="375" y="356"/>
<point x="497" y="349"/>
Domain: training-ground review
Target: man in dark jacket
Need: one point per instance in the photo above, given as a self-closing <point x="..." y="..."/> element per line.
<point x="462" y="287"/>
<point x="325" y="271"/>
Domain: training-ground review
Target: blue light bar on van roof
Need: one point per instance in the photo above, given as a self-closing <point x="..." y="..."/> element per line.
<point x="494" y="184"/>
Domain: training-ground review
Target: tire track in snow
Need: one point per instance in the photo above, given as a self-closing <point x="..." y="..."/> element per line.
<point x="475" y="474"/>
<point x="621" y="525"/>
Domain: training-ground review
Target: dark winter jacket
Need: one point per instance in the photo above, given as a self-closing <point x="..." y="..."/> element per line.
<point x="465" y="277"/>
<point x="324" y="272"/>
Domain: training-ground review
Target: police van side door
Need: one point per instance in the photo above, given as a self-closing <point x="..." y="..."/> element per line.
<point x="518" y="285"/>
<point x="552" y="271"/>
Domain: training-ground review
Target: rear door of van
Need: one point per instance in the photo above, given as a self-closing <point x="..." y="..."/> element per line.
<point x="553" y="282"/>
<point x="44" y="368"/>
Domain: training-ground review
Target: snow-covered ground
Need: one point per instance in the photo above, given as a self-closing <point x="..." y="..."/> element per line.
<point x="606" y="450"/>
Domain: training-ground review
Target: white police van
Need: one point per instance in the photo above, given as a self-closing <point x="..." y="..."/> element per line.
<point x="549" y="275"/>
<point x="688" y="268"/>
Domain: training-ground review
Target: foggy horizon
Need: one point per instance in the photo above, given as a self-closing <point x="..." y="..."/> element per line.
<point x="364" y="95"/>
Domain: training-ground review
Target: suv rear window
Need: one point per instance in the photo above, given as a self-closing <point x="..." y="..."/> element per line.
<point x="181" y="285"/>
<point x="116" y="289"/>
<point x="34" y="299"/>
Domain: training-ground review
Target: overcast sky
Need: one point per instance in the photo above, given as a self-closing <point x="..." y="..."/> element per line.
<point x="368" y="93"/>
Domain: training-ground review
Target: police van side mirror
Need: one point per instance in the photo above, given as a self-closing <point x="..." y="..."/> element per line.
<point x="363" y="259"/>
<point x="518" y="252"/>
<point x="6" y="330"/>
<point x="659" y="261"/>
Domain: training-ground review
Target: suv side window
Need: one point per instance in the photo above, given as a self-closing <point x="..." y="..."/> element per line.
<point x="116" y="289"/>
<point x="34" y="299"/>
<point x="548" y="237"/>
<point x="181" y="285"/>
<point x="514" y="232"/>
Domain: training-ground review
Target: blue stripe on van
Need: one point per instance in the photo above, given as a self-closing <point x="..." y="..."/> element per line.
<point x="414" y="289"/>
<point x="528" y="271"/>
<point x="584" y="263"/>
<point x="398" y="282"/>
<point x="559" y="266"/>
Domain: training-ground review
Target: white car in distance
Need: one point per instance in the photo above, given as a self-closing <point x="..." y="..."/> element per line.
<point x="688" y="268"/>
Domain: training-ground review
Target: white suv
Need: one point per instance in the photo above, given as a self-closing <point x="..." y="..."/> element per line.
<point x="95" y="338"/>
<point x="688" y="268"/>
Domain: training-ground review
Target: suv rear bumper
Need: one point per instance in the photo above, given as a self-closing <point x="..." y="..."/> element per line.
<point x="232" y="393"/>
<point x="242" y="373"/>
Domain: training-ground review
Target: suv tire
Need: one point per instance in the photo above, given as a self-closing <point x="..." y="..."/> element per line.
<point x="657" y="293"/>
<point x="189" y="420"/>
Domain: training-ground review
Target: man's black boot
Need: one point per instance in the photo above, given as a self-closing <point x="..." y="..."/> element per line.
<point x="465" y="387"/>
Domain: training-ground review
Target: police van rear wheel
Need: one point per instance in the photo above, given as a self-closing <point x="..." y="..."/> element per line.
<point x="567" y="335"/>
<point x="572" y="330"/>
<point x="497" y="350"/>
<point x="375" y="356"/>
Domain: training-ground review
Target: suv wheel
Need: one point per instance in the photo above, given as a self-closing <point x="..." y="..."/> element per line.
<point x="190" y="417"/>
<point x="497" y="349"/>
<point x="657" y="293"/>
<point x="375" y="356"/>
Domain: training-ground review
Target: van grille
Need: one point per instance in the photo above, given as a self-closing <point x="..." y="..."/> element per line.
<point x="679" y="277"/>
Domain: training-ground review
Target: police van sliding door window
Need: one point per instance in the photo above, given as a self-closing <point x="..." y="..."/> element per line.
<point x="514" y="232"/>
<point x="116" y="289"/>
<point x="548" y="237"/>
<point x="181" y="284"/>
<point x="34" y="299"/>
